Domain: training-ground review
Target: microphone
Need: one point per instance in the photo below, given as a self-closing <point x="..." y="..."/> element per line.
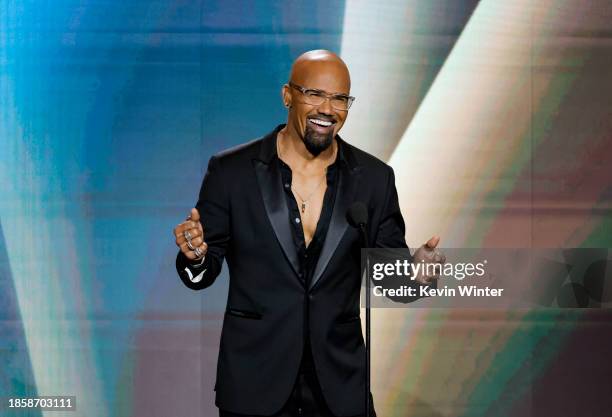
<point x="357" y="216"/>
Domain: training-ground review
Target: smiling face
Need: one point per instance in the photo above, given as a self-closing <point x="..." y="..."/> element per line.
<point x="316" y="125"/>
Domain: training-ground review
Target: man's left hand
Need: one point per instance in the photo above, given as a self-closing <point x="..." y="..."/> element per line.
<point x="428" y="254"/>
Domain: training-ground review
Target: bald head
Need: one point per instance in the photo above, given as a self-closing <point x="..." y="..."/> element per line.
<point x="323" y="65"/>
<point x="317" y="95"/>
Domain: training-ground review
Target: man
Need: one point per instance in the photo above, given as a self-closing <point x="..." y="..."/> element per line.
<point x="275" y="209"/>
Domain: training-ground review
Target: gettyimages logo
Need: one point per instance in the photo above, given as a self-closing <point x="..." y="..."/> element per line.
<point x="458" y="271"/>
<point x="493" y="278"/>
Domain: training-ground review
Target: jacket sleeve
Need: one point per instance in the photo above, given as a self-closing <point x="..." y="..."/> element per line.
<point x="391" y="229"/>
<point x="213" y="205"/>
<point x="391" y="233"/>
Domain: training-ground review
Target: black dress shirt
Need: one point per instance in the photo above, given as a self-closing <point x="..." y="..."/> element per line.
<point x="309" y="255"/>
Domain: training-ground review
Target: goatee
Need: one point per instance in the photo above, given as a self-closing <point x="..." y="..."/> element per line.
<point x="316" y="143"/>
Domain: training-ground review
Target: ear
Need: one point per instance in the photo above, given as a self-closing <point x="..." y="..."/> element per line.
<point x="286" y="95"/>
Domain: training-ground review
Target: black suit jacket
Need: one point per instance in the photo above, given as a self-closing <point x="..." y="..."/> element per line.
<point x="245" y="219"/>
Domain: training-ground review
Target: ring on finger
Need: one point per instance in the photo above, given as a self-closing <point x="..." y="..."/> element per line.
<point x="187" y="235"/>
<point x="198" y="252"/>
<point x="190" y="245"/>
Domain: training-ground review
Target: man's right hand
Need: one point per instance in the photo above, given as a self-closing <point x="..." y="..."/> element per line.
<point x="190" y="237"/>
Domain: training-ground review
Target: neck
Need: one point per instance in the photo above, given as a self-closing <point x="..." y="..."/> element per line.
<point x="295" y="154"/>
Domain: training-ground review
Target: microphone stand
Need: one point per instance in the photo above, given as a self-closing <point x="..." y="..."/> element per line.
<point x="364" y="236"/>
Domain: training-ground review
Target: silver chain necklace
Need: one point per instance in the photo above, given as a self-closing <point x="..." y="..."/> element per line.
<point x="304" y="200"/>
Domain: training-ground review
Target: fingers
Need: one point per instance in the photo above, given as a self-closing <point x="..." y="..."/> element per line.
<point x="433" y="258"/>
<point x="189" y="236"/>
<point x="194" y="215"/>
<point x="190" y="253"/>
<point x="433" y="242"/>
<point x="426" y="280"/>
<point x="192" y="244"/>
<point x="433" y="261"/>
<point x="439" y="257"/>
<point x="186" y="226"/>
<point x="192" y="232"/>
<point x="199" y="251"/>
<point x="193" y="229"/>
<point x="433" y="273"/>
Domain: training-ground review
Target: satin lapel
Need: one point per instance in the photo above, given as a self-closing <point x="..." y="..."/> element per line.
<point x="271" y="187"/>
<point x="347" y="190"/>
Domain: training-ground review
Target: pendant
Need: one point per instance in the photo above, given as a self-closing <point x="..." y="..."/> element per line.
<point x="303" y="207"/>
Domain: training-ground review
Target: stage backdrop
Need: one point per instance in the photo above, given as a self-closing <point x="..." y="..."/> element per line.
<point x="496" y="116"/>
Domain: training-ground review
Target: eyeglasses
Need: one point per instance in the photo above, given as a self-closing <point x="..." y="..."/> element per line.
<point x="318" y="97"/>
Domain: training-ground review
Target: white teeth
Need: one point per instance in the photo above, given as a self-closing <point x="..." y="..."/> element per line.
<point x="321" y="122"/>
